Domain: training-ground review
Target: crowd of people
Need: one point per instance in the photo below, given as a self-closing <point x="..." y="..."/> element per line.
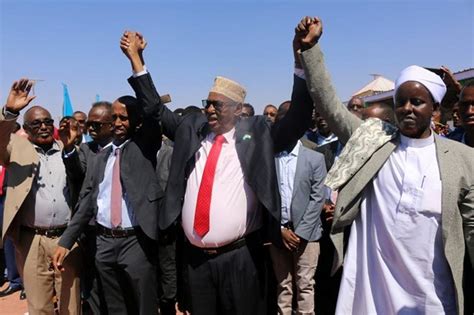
<point x="312" y="207"/>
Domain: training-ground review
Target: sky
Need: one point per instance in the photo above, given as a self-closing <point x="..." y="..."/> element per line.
<point x="191" y="42"/>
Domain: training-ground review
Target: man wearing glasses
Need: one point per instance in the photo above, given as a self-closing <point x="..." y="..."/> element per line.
<point x="223" y="187"/>
<point x="38" y="204"/>
<point x="100" y="127"/>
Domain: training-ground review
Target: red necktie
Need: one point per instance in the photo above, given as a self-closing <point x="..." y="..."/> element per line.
<point x="203" y="205"/>
<point x="116" y="195"/>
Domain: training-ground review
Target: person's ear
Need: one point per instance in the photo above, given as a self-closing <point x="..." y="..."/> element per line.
<point x="238" y="110"/>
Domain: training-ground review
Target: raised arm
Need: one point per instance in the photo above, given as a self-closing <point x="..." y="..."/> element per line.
<point x="292" y="127"/>
<point x="18" y="98"/>
<point x="84" y="212"/>
<point x="342" y="122"/>
<point x="132" y="45"/>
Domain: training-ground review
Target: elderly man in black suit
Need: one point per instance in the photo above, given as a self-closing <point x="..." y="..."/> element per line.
<point x="223" y="187"/>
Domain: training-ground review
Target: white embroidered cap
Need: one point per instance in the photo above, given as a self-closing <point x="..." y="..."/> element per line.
<point x="229" y="88"/>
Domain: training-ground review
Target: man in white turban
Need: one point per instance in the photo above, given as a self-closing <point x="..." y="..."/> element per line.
<point x="405" y="206"/>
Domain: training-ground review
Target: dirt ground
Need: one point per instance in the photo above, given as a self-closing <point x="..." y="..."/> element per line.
<point x="11" y="305"/>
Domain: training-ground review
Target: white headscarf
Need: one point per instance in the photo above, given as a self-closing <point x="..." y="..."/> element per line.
<point x="429" y="79"/>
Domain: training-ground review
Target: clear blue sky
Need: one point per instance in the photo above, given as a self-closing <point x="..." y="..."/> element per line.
<point x="190" y="42"/>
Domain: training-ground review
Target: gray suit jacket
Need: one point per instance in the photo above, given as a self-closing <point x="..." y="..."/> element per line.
<point x="456" y="166"/>
<point x="308" y="194"/>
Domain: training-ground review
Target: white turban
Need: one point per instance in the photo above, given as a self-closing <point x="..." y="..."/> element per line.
<point x="429" y="79"/>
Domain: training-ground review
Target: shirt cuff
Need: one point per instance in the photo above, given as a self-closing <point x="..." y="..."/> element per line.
<point x="9" y="115"/>
<point x="67" y="155"/>
<point x="143" y="72"/>
<point x="300" y="73"/>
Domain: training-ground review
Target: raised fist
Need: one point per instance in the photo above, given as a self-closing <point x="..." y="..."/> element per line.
<point x="132" y="43"/>
<point x="307" y="33"/>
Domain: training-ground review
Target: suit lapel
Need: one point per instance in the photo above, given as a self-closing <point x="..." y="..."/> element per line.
<point x="300" y="169"/>
<point x="360" y="180"/>
<point x="102" y="162"/>
<point x="244" y="144"/>
<point x="194" y="146"/>
<point x="447" y="200"/>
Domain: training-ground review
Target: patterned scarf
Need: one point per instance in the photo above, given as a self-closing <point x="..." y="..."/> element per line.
<point x="368" y="138"/>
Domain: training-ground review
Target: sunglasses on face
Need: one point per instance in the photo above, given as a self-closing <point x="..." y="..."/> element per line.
<point x="218" y="105"/>
<point x="96" y="125"/>
<point x="36" y="124"/>
<point x="356" y="107"/>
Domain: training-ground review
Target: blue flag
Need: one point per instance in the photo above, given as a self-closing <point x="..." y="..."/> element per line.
<point x="67" y="105"/>
<point x="97" y="97"/>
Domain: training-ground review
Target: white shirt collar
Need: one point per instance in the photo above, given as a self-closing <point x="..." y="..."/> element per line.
<point x="293" y="152"/>
<point x="229" y="136"/>
<point x="417" y="143"/>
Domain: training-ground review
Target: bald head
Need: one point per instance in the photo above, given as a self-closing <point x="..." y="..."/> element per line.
<point x="282" y="110"/>
<point x="39" y="126"/>
<point x="34" y="111"/>
<point x="381" y="111"/>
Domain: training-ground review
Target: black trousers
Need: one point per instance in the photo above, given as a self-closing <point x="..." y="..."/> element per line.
<point x="127" y="271"/>
<point x="167" y="272"/>
<point x="230" y="283"/>
<point x="91" y="286"/>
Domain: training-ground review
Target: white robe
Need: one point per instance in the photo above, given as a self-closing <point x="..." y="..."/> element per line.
<point x="395" y="263"/>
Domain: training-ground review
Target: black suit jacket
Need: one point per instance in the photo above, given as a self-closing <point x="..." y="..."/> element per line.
<point x="76" y="162"/>
<point x="256" y="144"/>
<point x="137" y="173"/>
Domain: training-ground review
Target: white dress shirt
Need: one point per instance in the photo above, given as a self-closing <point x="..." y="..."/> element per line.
<point x="395" y="262"/>
<point x="105" y="194"/>
<point x="322" y="140"/>
<point x="234" y="209"/>
<point x="286" y="176"/>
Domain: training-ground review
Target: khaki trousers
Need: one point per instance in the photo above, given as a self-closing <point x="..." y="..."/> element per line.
<point x="295" y="269"/>
<point x="33" y="257"/>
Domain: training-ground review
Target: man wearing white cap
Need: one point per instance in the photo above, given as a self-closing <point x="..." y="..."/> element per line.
<point x="223" y="187"/>
<point x="405" y="207"/>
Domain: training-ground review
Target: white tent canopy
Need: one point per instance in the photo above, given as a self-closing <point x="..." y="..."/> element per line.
<point x="377" y="85"/>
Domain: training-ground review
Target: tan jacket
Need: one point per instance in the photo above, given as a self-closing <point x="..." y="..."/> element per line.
<point x="21" y="158"/>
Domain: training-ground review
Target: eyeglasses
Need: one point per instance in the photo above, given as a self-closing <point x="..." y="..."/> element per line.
<point x="465" y="104"/>
<point x="96" y="125"/>
<point x="36" y="124"/>
<point x="355" y="107"/>
<point x="218" y="105"/>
